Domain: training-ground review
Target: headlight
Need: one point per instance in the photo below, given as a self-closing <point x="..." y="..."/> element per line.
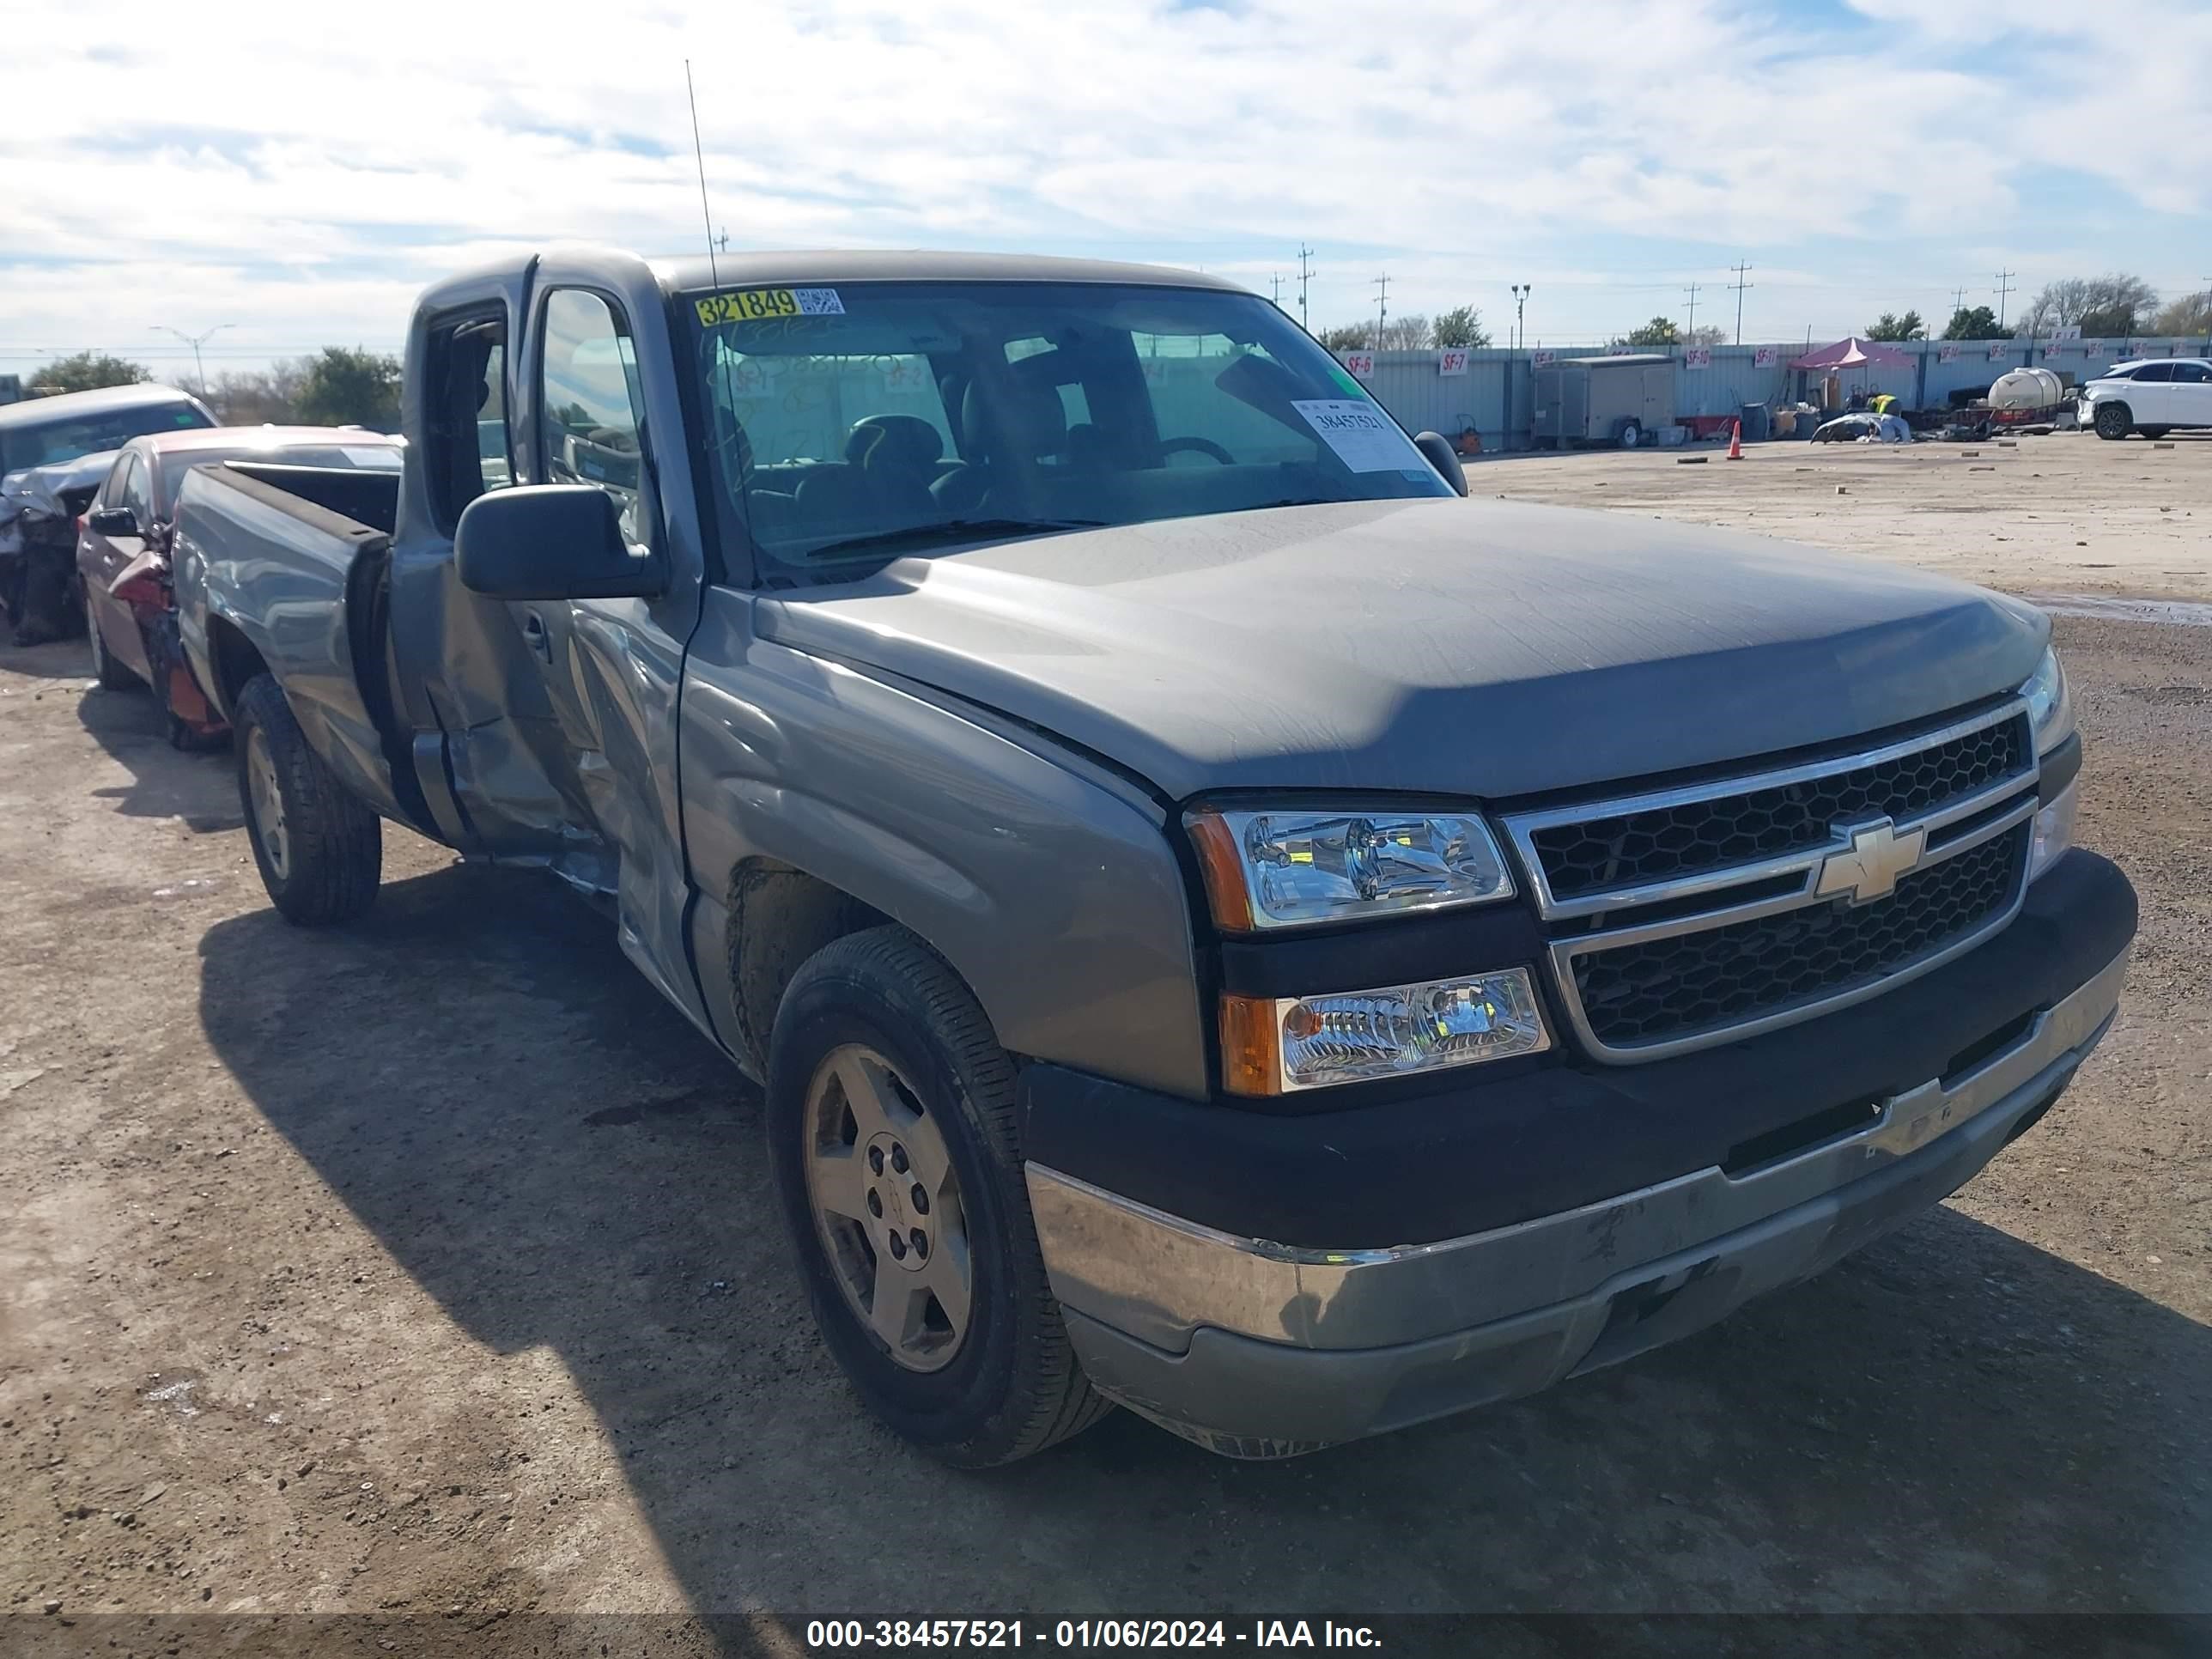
<point x="1291" y="869"/>
<point x="1274" y="1045"/>
<point x="2050" y="708"/>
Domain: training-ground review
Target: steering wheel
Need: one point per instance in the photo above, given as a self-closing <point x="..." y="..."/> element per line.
<point x="1205" y="446"/>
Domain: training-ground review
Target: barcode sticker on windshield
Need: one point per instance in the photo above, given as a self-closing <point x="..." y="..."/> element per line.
<point x="1363" y="437"/>
<point x="754" y="305"/>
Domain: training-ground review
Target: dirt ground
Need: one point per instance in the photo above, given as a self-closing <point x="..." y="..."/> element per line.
<point x="430" y="1269"/>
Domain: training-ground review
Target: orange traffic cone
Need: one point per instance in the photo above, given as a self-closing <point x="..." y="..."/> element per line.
<point x="1735" y="441"/>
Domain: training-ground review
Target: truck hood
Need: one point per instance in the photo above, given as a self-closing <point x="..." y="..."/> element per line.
<point x="1484" y="648"/>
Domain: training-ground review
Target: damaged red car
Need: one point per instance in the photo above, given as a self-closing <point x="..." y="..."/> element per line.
<point x="124" y="546"/>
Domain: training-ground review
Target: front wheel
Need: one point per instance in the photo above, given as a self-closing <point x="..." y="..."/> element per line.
<point x="2113" y="421"/>
<point x="111" y="675"/>
<point x="320" y="850"/>
<point x="892" y="1133"/>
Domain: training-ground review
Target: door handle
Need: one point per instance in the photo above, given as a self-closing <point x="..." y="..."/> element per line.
<point x="533" y="629"/>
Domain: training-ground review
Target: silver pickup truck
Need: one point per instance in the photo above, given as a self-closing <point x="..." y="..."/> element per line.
<point x="1225" y="926"/>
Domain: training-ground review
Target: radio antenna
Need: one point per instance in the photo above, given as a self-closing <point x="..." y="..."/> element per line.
<point x="699" y="154"/>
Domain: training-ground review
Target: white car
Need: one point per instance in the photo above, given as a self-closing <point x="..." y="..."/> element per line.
<point x="2152" y="396"/>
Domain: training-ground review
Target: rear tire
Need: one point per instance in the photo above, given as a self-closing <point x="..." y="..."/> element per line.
<point x="111" y="675"/>
<point x="1632" y="433"/>
<point x="2155" y="433"/>
<point x="2113" y="421"/>
<point x="879" y="1047"/>
<point x="320" y="851"/>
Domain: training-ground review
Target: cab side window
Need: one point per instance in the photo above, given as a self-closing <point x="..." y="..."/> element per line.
<point x="591" y="413"/>
<point x="466" y="388"/>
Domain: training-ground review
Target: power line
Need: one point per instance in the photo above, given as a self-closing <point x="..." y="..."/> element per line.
<point x="1739" y="269"/>
<point x="2004" y="277"/>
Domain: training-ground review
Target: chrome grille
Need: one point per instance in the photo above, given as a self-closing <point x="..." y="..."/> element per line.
<point x="1686" y="917"/>
<point x="1718" y="976"/>
<point x="1656" y="843"/>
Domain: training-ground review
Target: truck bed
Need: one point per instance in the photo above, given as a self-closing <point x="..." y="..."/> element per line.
<point x="284" y="568"/>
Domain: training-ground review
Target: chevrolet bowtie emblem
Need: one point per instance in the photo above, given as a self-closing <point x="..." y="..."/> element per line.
<point x="1868" y="868"/>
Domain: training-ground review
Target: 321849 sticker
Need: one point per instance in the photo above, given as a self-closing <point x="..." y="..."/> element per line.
<point x="752" y="305"/>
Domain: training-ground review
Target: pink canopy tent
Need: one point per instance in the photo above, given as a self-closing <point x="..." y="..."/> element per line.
<point x="1853" y="353"/>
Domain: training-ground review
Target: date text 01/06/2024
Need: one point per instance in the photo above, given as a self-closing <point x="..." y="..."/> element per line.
<point x="832" y="1635"/>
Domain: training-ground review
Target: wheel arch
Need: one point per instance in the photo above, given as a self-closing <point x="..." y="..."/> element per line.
<point x="232" y="659"/>
<point x="779" y="916"/>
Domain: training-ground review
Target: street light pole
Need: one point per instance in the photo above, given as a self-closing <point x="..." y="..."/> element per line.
<point x="195" y="341"/>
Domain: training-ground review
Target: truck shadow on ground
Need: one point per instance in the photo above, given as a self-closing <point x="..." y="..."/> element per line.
<point x="1951" y="1419"/>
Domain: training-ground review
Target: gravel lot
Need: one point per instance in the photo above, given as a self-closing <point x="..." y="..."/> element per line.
<point x="430" y="1267"/>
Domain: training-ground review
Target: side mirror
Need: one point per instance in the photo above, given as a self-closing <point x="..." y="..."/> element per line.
<point x="1442" y="457"/>
<point x="114" y="522"/>
<point x="551" y="542"/>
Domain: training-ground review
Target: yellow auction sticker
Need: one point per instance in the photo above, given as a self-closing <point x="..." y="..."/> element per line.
<point x="753" y="305"/>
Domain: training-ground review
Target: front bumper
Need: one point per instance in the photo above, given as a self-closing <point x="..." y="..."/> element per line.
<point x="1256" y="1349"/>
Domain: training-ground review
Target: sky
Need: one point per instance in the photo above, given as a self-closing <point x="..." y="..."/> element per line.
<point x="293" y="184"/>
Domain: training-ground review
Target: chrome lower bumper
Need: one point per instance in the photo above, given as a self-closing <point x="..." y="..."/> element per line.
<point x="1258" y="1349"/>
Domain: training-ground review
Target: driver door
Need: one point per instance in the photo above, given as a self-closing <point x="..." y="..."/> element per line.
<point x="600" y="391"/>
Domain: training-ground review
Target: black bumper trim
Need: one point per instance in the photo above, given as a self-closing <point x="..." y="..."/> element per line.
<point x="1485" y="1153"/>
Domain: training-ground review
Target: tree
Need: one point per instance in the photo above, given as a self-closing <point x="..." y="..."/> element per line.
<point x="1891" y="328"/>
<point x="2190" y="314"/>
<point x="249" y="396"/>
<point x="2103" y="308"/>
<point x="1461" y="326"/>
<point x="1710" y="335"/>
<point x="88" y="371"/>
<point x="351" y="386"/>
<point x="1409" y="332"/>
<point x="1659" y="331"/>
<point x="1975" y="323"/>
<point x="1347" y="336"/>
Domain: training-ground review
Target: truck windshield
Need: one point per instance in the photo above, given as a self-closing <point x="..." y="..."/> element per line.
<point x="877" y="420"/>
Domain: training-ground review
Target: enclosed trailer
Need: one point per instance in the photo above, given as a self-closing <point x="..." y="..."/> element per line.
<point x="1623" y="399"/>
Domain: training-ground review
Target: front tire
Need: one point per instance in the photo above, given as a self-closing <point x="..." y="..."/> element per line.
<point x="320" y="850"/>
<point x="111" y="675"/>
<point x="892" y="1133"/>
<point x="2113" y="421"/>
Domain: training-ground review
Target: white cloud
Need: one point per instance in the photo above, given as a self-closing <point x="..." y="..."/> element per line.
<point x="303" y="178"/>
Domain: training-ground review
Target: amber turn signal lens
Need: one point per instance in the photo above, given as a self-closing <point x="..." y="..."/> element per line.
<point x="1251" y="1051"/>
<point x="1225" y="893"/>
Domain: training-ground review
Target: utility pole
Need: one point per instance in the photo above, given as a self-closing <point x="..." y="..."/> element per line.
<point x="2004" y="278"/>
<point x="1275" y="289"/>
<point x="195" y="341"/>
<point x="722" y="242"/>
<point x="1958" y="301"/>
<point x="1521" y="292"/>
<point x="1382" y="306"/>
<point x="1740" y="268"/>
<point x="1304" y="253"/>
<point x="1690" y="332"/>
